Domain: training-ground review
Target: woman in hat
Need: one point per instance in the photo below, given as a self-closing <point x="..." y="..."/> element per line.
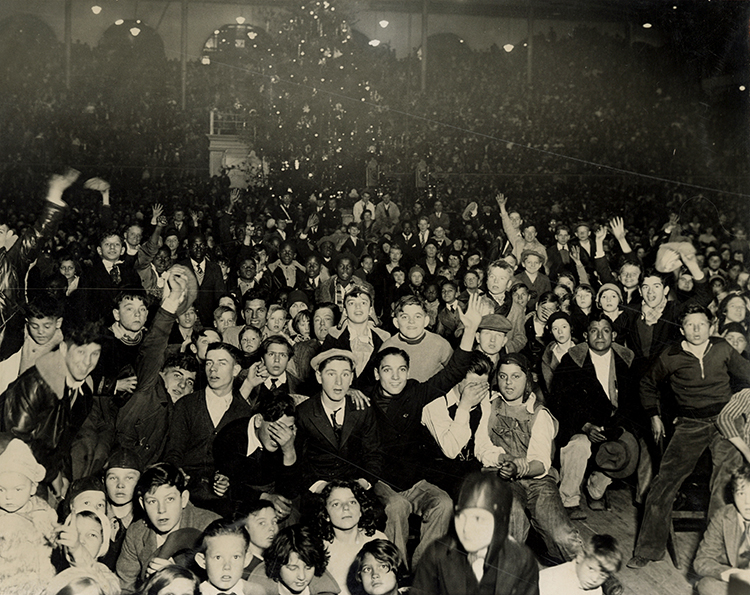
<point x="516" y="437"/>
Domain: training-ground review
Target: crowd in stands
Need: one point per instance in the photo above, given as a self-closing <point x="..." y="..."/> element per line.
<point x="212" y="389"/>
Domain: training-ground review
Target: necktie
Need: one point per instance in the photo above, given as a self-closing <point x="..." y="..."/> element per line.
<point x="114" y="273"/>
<point x="336" y="424"/>
<point x="199" y="273"/>
<point x="274" y="383"/>
<point x="477" y="565"/>
<point x="565" y="256"/>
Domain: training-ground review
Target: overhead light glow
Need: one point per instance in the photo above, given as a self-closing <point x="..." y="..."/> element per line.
<point x="134" y="31"/>
<point x="96" y="9"/>
<point x="119" y="22"/>
<point x="205" y="60"/>
<point x="240" y="20"/>
<point x="375" y="43"/>
<point x="384" y="23"/>
<point x="742" y="87"/>
<point x="508" y="47"/>
<point x="647" y="25"/>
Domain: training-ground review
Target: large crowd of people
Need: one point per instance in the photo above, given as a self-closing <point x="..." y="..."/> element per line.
<point x="208" y="387"/>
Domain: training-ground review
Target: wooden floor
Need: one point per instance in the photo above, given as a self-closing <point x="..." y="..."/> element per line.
<point x="658" y="577"/>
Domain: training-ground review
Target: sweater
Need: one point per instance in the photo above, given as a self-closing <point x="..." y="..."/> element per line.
<point x="701" y="387"/>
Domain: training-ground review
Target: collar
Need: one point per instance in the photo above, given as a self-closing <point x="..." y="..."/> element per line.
<point x="284" y="591"/>
<point x="452" y="397"/>
<point x="210" y="394"/>
<point x="202" y="263"/>
<point x="412" y="341"/>
<point x="126" y="336"/>
<point x="108" y="264"/>
<point x="561" y="247"/>
<point x="328" y="411"/>
<point x="253" y="443"/>
<point x="208" y="589"/>
<point x="529" y="404"/>
<point x="279" y="380"/>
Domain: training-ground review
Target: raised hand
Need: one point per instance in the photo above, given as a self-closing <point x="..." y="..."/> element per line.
<point x="618" y="228"/>
<point x="575" y="253"/>
<point x="473" y="315"/>
<point x="59" y="184"/>
<point x="234" y="196"/>
<point x="501" y="199"/>
<point x="156" y="211"/>
<point x="600" y="233"/>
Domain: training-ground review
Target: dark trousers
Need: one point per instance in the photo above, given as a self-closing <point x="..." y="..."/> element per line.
<point x="691" y="437"/>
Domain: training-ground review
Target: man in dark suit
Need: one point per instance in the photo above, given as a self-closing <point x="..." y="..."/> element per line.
<point x="409" y="242"/>
<point x="196" y="420"/>
<point x="211" y="284"/>
<point x="558" y="255"/>
<point x="286" y="272"/>
<point x="334" y="438"/>
<point x="257" y="455"/>
<point x="106" y="277"/>
<point x="272" y="377"/>
<point x="593" y="393"/>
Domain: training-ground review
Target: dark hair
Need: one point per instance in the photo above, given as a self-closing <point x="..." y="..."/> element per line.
<point x="165" y="577"/>
<point x="246" y="509"/>
<point x="274" y="406"/>
<point x="221" y="527"/>
<point x="160" y="474"/>
<point x="741" y="473"/>
<point x="254" y="294"/>
<point x="408" y="300"/>
<point x="356" y="292"/>
<point x="79" y="330"/>
<point x="131" y="293"/>
<point x="693" y="308"/>
<point x="276" y="340"/>
<point x="299" y="540"/>
<point x="333" y="308"/>
<point x="108" y="233"/>
<point x="479" y="364"/>
<point x="230" y="349"/>
<point x="516" y="359"/>
<point x="562" y="227"/>
<point x="599" y="316"/>
<point x="78" y="584"/>
<point x="383" y="551"/>
<point x="184" y="361"/>
<point x="44" y="305"/>
<point x="652" y="272"/>
<point x="368" y="517"/>
<point x="201" y="332"/>
<point x="603" y="548"/>
<point x="384" y="353"/>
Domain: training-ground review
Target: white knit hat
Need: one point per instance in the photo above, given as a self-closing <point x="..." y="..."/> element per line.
<point x="17" y="457"/>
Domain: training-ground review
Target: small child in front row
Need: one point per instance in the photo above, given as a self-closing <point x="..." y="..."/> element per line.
<point x="599" y="560"/>
<point x="223" y="555"/>
<point x="28" y="525"/>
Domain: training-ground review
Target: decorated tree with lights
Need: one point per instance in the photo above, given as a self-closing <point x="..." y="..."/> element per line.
<point x="317" y="110"/>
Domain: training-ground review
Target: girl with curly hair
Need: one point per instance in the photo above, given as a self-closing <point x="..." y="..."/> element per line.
<point x="346" y="521"/>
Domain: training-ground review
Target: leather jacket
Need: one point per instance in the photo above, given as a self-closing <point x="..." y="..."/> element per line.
<point x="14" y="264"/>
<point x="35" y="410"/>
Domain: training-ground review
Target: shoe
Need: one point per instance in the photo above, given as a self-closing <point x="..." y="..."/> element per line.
<point x="597" y="504"/>
<point x="576" y="513"/>
<point x="637" y="562"/>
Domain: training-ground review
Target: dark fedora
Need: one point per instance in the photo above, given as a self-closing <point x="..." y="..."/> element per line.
<point x="618" y="458"/>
